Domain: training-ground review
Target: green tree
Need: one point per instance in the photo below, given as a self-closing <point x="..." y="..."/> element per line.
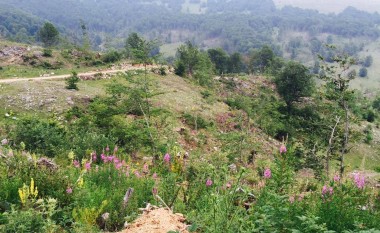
<point x="336" y="77"/>
<point x="368" y="61"/>
<point x="71" y="82"/>
<point x="294" y="82"/>
<point x="188" y="57"/>
<point x="235" y="63"/>
<point x="48" y="35"/>
<point x="220" y="59"/>
<point x="194" y="63"/>
<point x="363" y="72"/>
<point x="261" y="60"/>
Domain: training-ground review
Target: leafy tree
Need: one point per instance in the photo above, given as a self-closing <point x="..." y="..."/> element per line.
<point x="363" y="72"/>
<point x="133" y="42"/>
<point x="368" y="61"/>
<point x="48" y="34"/>
<point x="235" y="63"/>
<point x="220" y="59"/>
<point x="194" y="63"/>
<point x="337" y="77"/>
<point x="262" y="59"/>
<point x="294" y="82"/>
<point x="188" y="56"/>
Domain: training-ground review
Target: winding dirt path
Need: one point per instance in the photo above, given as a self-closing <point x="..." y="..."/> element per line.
<point x="12" y="80"/>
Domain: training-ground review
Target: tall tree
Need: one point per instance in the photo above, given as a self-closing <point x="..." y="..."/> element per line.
<point x="293" y="82"/>
<point x="48" y="35"/>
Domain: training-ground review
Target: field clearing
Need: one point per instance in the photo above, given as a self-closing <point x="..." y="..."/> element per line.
<point x="372" y="82"/>
<point x="193" y="8"/>
<point x="169" y="50"/>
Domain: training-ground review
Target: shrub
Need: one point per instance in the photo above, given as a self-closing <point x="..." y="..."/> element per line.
<point x="195" y="122"/>
<point x="111" y="57"/>
<point x="71" y="82"/>
<point x="39" y="135"/>
<point x="47" y="53"/>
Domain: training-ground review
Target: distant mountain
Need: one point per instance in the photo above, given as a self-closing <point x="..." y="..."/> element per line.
<point x="332" y="6"/>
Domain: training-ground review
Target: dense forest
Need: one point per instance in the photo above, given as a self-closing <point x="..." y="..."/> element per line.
<point x="169" y="21"/>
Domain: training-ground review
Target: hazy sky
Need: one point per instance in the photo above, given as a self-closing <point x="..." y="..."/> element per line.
<point x="328" y="6"/>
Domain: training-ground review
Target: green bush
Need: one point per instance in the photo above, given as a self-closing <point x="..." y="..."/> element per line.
<point x="71" y="82"/>
<point x="47" y="53"/>
<point x="111" y="57"/>
<point x="39" y="135"/>
<point x="195" y="122"/>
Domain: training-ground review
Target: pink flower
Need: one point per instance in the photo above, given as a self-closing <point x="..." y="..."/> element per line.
<point x="107" y="148"/>
<point x="282" y="149"/>
<point x="103" y="157"/>
<point x="336" y="178"/>
<point x="267" y="173"/>
<point x="76" y="163"/>
<point x="116" y="160"/>
<point x="88" y="166"/>
<point x="110" y="158"/>
<point x="208" y="182"/>
<point x="93" y="155"/>
<point x="228" y="185"/>
<point x="115" y="149"/>
<point x="359" y="180"/>
<point x="137" y="174"/>
<point x="167" y="158"/>
<point x="291" y="199"/>
<point x="324" y="190"/>
<point x="146" y="168"/>
<point x="118" y="166"/>
<point x="69" y="190"/>
<point x="327" y="190"/>
<point x="154" y="176"/>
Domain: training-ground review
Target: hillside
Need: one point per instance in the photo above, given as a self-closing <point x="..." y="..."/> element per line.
<point x="255" y="119"/>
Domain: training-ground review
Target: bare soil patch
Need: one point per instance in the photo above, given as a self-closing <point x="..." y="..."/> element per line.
<point x="159" y="220"/>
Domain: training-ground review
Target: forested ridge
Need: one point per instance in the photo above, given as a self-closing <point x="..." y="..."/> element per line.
<point x="239" y="25"/>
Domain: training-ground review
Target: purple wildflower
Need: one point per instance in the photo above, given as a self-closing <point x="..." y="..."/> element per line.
<point x="146" y="168"/>
<point x="107" y="148"/>
<point x="154" y="176"/>
<point x="137" y="174"/>
<point x="359" y="180"/>
<point x="208" y="182"/>
<point x="69" y="190"/>
<point x="88" y="166"/>
<point x="76" y="163"/>
<point x="103" y="157"/>
<point x="118" y="166"/>
<point x="167" y="158"/>
<point x="282" y="149"/>
<point x="336" y="178"/>
<point x="267" y="173"/>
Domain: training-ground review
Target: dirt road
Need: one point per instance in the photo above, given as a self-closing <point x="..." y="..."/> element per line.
<point x="11" y="80"/>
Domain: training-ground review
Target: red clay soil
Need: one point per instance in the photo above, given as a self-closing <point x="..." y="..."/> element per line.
<point x="158" y="221"/>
